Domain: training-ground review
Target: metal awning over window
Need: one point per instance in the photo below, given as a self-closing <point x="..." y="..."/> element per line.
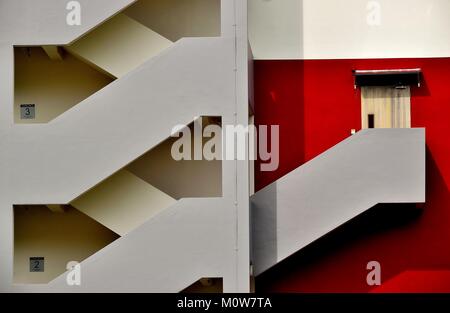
<point x="394" y="78"/>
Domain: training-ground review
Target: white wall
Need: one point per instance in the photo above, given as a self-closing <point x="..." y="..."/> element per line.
<point x="275" y="28"/>
<point x="338" y="29"/>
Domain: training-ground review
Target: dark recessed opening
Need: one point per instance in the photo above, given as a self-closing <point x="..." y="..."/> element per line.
<point x="371" y="121"/>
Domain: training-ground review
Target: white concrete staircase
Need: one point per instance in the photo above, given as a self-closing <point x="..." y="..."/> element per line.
<point x="179" y="245"/>
<point x="374" y="166"/>
<point x="123" y="121"/>
<point x="118" y="45"/>
<point x="72" y="154"/>
<point x="162" y="249"/>
<point x="122" y="202"/>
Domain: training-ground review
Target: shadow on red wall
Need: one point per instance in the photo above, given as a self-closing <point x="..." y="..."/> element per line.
<point x="316" y="106"/>
<point x="279" y="97"/>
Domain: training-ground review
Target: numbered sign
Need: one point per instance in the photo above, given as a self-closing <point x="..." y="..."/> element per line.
<point x="27" y="111"/>
<point x="36" y="264"/>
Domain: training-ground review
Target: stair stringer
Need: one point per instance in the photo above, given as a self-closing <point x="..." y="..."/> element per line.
<point x="181" y="244"/>
<point x="374" y="166"/>
<point x="119" y="123"/>
<point x="37" y="23"/>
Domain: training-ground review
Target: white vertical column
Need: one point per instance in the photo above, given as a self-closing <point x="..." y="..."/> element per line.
<point x="6" y="247"/>
<point x="6" y="120"/>
<point x="6" y="86"/>
<point x="235" y="173"/>
<point x="242" y="113"/>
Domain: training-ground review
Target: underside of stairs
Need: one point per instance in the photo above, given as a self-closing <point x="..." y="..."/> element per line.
<point x="122" y="202"/>
<point x="119" y="45"/>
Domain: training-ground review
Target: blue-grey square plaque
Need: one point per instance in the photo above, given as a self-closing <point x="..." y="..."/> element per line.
<point x="27" y="111"/>
<point x="36" y="264"/>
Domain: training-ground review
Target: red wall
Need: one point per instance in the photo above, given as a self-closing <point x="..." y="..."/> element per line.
<point x="279" y="98"/>
<point x="316" y="106"/>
